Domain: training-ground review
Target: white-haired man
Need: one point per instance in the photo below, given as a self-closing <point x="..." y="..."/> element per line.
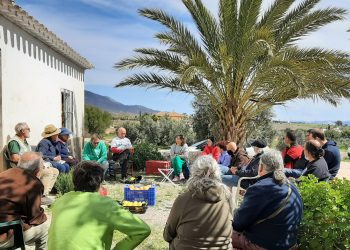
<point x="20" y="197"/>
<point x="18" y="144"/>
<point x="268" y="223"/>
<point x="121" y="148"/>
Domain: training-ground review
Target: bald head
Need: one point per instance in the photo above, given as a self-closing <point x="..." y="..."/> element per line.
<point x="231" y="146"/>
<point x="121" y="132"/>
<point x="31" y="162"/>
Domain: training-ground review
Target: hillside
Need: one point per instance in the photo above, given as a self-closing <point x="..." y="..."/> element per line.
<point x="110" y="105"/>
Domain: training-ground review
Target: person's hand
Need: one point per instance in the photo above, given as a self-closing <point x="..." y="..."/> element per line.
<point x="57" y="158"/>
<point x="233" y="170"/>
<point x="70" y="157"/>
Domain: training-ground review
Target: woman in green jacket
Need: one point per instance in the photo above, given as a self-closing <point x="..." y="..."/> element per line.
<point x="84" y="220"/>
<point x="96" y="150"/>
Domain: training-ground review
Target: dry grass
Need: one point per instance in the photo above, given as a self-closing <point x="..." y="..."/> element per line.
<point x="155" y="216"/>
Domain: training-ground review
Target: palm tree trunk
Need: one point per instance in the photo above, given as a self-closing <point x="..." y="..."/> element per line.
<point x="232" y="125"/>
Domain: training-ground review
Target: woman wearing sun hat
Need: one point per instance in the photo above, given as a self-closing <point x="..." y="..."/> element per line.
<point x="47" y="146"/>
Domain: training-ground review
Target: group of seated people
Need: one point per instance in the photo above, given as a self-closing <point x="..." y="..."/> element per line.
<point x="201" y="217"/>
<point x="319" y="157"/>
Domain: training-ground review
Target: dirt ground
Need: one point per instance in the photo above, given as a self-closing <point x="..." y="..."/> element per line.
<point x="344" y="171"/>
<point x="156" y="216"/>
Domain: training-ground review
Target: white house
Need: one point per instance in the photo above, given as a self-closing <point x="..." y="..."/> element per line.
<point x="41" y="78"/>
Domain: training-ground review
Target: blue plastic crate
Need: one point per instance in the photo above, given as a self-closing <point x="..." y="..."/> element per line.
<point x="141" y="195"/>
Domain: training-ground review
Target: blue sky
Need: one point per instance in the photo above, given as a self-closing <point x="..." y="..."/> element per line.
<point x="105" y="31"/>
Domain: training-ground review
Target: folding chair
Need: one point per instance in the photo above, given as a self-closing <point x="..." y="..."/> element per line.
<point x="240" y="192"/>
<point x="166" y="172"/>
<point x="16" y="225"/>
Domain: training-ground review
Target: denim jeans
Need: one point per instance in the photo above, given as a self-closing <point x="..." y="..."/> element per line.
<point x="227" y="177"/>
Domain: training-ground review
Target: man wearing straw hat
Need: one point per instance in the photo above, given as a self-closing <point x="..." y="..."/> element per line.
<point x="47" y="146"/>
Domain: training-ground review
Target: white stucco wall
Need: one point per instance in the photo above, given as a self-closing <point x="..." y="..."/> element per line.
<point x="32" y="76"/>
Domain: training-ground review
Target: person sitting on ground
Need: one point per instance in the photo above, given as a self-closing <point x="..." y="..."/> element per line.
<point x="225" y="158"/>
<point x="211" y="149"/>
<point x="268" y="223"/>
<point x="239" y="159"/>
<point x="201" y="217"/>
<point x="47" y="146"/>
<point x="48" y="175"/>
<point x="251" y="170"/>
<point x="18" y="144"/>
<point x="121" y="148"/>
<point x="316" y="165"/>
<point x="20" y="198"/>
<point x="179" y="153"/>
<point x="96" y="150"/>
<point x="292" y="152"/>
<point x="63" y="149"/>
<point x="84" y="219"/>
<point x="332" y="153"/>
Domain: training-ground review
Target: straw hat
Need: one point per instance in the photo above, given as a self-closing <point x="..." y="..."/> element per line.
<point x="50" y="130"/>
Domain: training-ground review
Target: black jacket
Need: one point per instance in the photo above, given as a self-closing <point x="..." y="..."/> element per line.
<point x="318" y="168"/>
<point x="251" y="170"/>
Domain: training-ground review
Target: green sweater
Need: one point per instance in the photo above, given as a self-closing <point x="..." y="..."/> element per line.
<point x="98" y="154"/>
<point x="84" y="221"/>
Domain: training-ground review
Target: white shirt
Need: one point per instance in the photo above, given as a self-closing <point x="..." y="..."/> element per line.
<point x="121" y="144"/>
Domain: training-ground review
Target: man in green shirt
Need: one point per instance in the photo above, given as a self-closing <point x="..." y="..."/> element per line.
<point x="18" y="144"/>
<point x="85" y="220"/>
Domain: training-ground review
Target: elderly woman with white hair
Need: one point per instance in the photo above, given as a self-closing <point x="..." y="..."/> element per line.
<point x="201" y="217"/>
<point x="271" y="210"/>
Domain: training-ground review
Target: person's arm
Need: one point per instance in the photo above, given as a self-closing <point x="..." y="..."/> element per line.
<point x="249" y="211"/>
<point x="185" y="153"/>
<point x="216" y="153"/>
<point x="169" y="232"/>
<point x="14" y="150"/>
<point x="172" y="151"/>
<point x="242" y="160"/>
<point x="43" y="148"/>
<point x="227" y="160"/>
<point x="103" y="153"/>
<point x="34" y="212"/>
<point x="205" y="151"/>
<point x="294" y="173"/>
<point x="132" y="226"/>
<point x="86" y="152"/>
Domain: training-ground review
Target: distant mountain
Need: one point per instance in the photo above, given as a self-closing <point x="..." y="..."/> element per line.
<point x="110" y="105"/>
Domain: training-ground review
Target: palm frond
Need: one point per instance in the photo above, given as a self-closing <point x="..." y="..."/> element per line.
<point x="228" y="17"/>
<point x="310" y="23"/>
<point x="206" y="24"/>
<point x="274" y="14"/>
<point x="152" y="58"/>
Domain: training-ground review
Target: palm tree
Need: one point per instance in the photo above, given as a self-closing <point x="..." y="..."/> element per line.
<point x="245" y="61"/>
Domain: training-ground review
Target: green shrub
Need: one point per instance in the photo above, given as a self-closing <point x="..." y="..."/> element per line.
<point x="143" y="152"/>
<point x="64" y="183"/>
<point x="326" y="221"/>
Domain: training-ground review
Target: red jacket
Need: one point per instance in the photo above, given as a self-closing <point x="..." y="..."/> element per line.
<point x="291" y="155"/>
<point x="212" y="150"/>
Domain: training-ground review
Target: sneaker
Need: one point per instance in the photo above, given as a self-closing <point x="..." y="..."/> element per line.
<point x="123" y="180"/>
<point x="46" y="201"/>
<point x="176" y="178"/>
<point x="182" y="177"/>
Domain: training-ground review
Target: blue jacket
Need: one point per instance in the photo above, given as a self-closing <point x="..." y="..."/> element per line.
<point x="62" y="149"/>
<point x="260" y="201"/>
<point x="225" y="159"/>
<point x="332" y="157"/>
<point x="48" y="149"/>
